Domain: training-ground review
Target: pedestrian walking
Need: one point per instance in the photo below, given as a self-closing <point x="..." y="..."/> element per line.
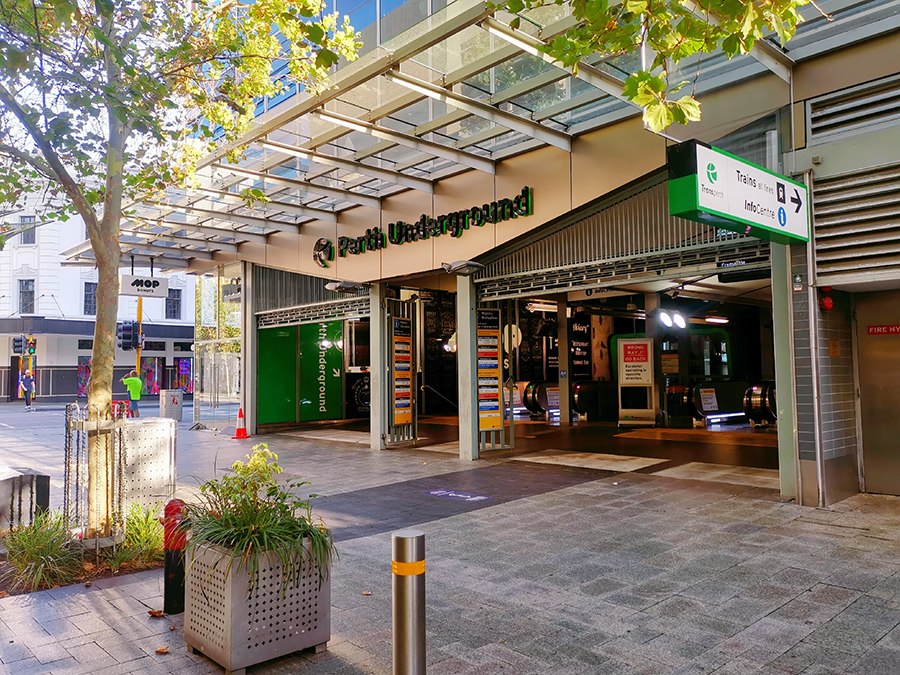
<point x="27" y="387"/>
<point x="135" y="385"/>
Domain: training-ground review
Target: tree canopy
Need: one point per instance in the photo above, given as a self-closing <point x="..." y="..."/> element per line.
<point x="107" y="102"/>
<point x="664" y="33"/>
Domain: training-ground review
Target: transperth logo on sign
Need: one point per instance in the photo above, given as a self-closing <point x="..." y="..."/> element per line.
<point x="711" y="172"/>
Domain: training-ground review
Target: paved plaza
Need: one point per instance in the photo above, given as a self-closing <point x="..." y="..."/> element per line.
<point x="556" y="570"/>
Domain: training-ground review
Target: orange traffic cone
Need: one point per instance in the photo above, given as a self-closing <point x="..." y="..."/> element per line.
<point x="241" y="431"/>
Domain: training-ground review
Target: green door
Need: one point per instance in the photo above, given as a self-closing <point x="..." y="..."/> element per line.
<point x="276" y="389"/>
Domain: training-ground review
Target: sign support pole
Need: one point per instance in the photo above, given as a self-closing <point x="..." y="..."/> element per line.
<point x="467" y="368"/>
<point x="140" y="314"/>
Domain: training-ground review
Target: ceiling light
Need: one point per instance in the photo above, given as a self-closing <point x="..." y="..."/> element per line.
<point x="665" y="318"/>
<point x="541" y="306"/>
<point x="715" y="318"/>
<point x="679" y="320"/>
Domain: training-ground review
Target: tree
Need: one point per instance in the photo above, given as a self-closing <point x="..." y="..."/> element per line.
<point x="104" y="103"/>
<point x="667" y="32"/>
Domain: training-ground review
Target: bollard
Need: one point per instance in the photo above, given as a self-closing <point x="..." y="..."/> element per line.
<point x="408" y="568"/>
<point x="174" y="541"/>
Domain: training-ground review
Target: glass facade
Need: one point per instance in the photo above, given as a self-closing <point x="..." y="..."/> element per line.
<point x="217" y="348"/>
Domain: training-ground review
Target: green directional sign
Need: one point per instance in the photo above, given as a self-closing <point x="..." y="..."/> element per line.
<point x="714" y="187"/>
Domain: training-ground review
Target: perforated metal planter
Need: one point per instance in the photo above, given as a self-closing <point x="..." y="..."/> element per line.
<point x="237" y="627"/>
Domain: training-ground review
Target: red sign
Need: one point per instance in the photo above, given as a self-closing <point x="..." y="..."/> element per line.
<point x="884" y="330"/>
<point x="635" y="354"/>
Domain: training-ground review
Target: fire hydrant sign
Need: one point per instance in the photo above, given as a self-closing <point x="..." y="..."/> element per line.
<point x="636" y="366"/>
<point x="148" y="287"/>
<point x="714" y="187"/>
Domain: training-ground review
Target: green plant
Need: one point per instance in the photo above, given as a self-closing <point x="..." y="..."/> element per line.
<point x="143" y="542"/>
<point x="43" y="554"/>
<point x="250" y="513"/>
<point x="144" y="534"/>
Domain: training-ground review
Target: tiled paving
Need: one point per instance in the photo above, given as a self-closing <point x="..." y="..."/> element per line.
<point x="561" y="571"/>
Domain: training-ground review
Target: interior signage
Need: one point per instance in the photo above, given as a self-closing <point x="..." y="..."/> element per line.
<point x="400" y="232"/>
<point x="488" y="339"/>
<point x="884" y="330"/>
<point x="149" y="287"/>
<point x="716" y="188"/>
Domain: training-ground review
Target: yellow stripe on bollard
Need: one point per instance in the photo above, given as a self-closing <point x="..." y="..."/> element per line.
<point x="408" y="569"/>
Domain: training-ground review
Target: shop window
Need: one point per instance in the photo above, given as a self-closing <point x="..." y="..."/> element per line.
<point x="183" y="347"/>
<point x="154" y="346"/>
<point x="90" y="298"/>
<point x="86" y="344"/>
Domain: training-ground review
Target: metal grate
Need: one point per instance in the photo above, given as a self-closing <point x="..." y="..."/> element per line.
<point x="636" y="226"/>
<point x="312" y="313"/>
<point x="857" y="225"/>
<point x="654" y="267"/>
<point x="852" y="110"/>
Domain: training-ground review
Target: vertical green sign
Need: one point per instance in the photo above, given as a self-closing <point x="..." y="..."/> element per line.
<point x="320" y="371"/>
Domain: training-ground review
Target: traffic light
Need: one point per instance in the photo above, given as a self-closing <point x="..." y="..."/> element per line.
<point x="125" y="335"/>
<point x="32" y="346"/>
<point x="19" y="344"/>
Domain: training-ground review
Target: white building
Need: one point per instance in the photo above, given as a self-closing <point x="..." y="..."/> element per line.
<point x="56" y="304"/>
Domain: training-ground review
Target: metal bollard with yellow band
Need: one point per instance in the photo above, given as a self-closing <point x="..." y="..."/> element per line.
<point x="408" y="569"/>
<point x="408" y="585"/>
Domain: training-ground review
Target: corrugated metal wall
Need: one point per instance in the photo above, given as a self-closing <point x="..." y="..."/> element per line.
<point x="276" y="289"/>
<point x="857" y="225"/>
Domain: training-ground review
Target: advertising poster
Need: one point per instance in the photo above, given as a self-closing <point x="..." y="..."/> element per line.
<point x="320" y="371"/>
<point x="184" y="378"/>
<point x="580" y="340"/>
<point x="403" y="374"/>
<point x="488" y="340"/>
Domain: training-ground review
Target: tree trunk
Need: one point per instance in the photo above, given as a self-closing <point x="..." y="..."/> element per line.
<point x="100" y="451"/>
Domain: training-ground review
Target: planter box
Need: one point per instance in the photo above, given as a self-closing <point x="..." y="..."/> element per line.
<point x="237" y="628"/>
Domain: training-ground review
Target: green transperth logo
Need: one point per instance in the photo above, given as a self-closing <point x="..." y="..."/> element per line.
<point x="711" y="172"/>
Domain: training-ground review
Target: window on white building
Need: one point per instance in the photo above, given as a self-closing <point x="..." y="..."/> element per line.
<point x="173" y="304"/>
<point x="26" y="296"/>
<point x="90" y="298"/>
<point x="29" y="231"/>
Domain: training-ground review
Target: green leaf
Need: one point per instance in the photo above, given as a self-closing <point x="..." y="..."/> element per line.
<point x="658" y="117"/>
<point x="690" y="107"/>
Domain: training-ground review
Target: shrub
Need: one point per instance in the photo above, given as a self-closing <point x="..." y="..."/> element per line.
<point x="43" y="554"/>
<point x="249" y="513"/>
<point x="144" y="534"/>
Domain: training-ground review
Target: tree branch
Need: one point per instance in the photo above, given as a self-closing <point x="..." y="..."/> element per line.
<point x="52" y="159"/>
<point x="34" y="162"/>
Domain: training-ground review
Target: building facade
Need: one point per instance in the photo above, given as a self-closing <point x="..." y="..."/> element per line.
<point x="456" y="196"/>
<point x="56" y="304"/>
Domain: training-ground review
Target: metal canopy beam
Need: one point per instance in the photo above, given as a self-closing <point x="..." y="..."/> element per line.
<point x="430" y="147"/>
<point x="142" y="260"/>
<point x="467" y="71"/>
<point x="546" y="135"/>
<point x="763" y="51"/>
<point x="231" y="217"/>
<point x="175" y="226"/>
<point x="584" y="71"/>
<point x="184" y="253"/>
<point x="298" y="184"/>
<point x="206" y="243"/>
<point x="453" y="20"/>
<point x="275" y="205"/>
<point x="349" y="165"/>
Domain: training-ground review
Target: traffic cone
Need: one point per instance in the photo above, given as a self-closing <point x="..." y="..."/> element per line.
<point x="241" y="431"/>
